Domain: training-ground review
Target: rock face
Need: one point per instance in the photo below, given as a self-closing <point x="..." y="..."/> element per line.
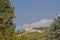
<point x="30" y="29"/>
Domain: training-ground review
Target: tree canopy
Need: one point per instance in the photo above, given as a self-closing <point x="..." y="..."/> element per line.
<point x="6" y="20"/>
<point x="53" y="32"/>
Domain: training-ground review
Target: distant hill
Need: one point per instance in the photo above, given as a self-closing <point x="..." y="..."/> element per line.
<point x="40" y="28"/>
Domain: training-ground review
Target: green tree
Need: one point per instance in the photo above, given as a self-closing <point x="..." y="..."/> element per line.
<point x="36" y="36"/>
<point x="15" y="37"/>
<point x="53" y="32"/>
<point x="24" y="37"/>
<point x="6" y="20"/>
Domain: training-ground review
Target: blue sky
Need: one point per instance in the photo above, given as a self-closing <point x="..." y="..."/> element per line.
<point x="29" y="11"/>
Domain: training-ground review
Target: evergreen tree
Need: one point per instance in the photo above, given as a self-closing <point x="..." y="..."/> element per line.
<point x="6" y="20"/>
<point x="53" y="32"/>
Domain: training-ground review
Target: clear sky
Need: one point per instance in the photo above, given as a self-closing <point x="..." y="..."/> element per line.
<point x="29" y="11"/>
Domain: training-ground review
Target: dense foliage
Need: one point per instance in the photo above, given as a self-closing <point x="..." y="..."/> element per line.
<point x="24" y="37"/>
<point x="6" y="20"/>
<point x="29" y="36"/>
<point x="36" y="36"/>
<point x="15" y="37"/>
<point x="53" y="33"/>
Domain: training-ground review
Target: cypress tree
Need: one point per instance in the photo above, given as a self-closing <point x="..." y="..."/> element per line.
<point x="6" y="20"/>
